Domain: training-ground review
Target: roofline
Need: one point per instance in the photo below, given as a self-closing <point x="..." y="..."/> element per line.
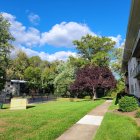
<point x="126" y="47"/>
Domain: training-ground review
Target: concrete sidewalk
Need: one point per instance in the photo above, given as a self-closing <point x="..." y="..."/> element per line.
<point x="86" y="128"/>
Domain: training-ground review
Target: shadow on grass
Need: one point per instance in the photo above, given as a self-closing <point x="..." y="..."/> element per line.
<point x="107" y="98"/>
<point x="98" y="99"/>
<point x="4" y="108"/>
<point x="89" y="100"/>
<point x="30" y="106"/>
<point x="82" y="100"/>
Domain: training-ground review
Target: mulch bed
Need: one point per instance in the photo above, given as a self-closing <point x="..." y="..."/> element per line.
<point x="130" y="114"/>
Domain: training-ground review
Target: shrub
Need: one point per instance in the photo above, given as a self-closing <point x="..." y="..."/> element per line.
<point x="128" y="104"/>
<point x="87" y="98"/>
<point x="137" y="114"/>
<point x="120" y="95"/>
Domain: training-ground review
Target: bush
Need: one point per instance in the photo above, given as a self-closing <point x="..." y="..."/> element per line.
<point x="120" y="95"/>
<point x="128" y="104"/>
<point x="137" y="114"/>
<point x="87" y="97"/>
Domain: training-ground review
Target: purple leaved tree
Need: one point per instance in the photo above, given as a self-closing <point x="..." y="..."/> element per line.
<point x="90" y="78"/>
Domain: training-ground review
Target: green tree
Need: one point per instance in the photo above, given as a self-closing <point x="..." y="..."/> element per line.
<point x="2" y="78"/>
<point x="5" y="47"/>
<point x="9" y="71"/>
<point x="116" y="65"/>
<point x="78" y="62"/>
<point x="44" y="64"/>
<point x="35" y="61"/>
<point x="33" y="76"/>
<point x="64" y="79"/>
<point x="48" y="75"/>
<point x="19" y="64"/>
<point x="96" y="50"/>
<point x="117" y="61"/>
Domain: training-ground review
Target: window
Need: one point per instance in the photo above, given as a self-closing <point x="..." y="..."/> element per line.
<point x="132" y="89"/>
<point x="131" y="72"/>
<point x="135" y="87"/>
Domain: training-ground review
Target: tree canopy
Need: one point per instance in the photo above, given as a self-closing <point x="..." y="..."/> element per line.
<point x="5" y="41"/>
<point x="117" y="61"/>
<point x="116" y="65"/>
<point x="91" y="77"/>
<point x="5" y="47"/>
<point x="84" y="73"/>
<point x="33" y="76"/>
<point x="95" y="49"/>
<point x="19" y="65"/>
<point x="65" y="77"/>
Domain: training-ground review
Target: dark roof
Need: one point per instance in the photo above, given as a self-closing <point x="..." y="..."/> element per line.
<point x="132" y="31"/>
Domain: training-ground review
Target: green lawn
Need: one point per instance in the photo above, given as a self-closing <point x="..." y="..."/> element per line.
<point x="44" y="121"/>
<point x="113" y="106"/>
<point x="117" y="127"/>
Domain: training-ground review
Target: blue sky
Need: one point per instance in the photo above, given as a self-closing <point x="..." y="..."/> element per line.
<point x="48" y="27"/>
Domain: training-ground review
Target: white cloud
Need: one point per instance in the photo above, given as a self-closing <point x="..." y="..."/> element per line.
<point x="118" y="40"/>
<point x="61" y="55"/>
<point x="64" y="33"/>
<point x="61" y="35"/>
<point x="24" y="36"/>
<point x="34" y="18"/>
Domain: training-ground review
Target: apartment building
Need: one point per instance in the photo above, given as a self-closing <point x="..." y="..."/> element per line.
<point x="131" y="55"/>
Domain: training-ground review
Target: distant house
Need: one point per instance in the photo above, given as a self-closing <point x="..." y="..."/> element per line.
<point x="131" y="55"/>
<point x="16" y="87"/>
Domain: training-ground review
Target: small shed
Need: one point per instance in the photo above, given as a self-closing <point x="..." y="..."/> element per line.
<point x="16" y="87"/>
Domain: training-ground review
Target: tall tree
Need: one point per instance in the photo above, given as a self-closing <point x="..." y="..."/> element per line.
<point x="90" y="78"/>
<point x="19" y="65"/>
<point x="47" y="77"/>
<point x="64" y="79"/>
<point x="78" y="62"/>
<point x="44" y="64"/>
<point x="33" y="76"/>
<point x="5" y="47"/>
<point x="35" y="61"/>
<point x="2" y="78"/>
<point x="116" y="66"/>
<point x="95" y="49"/>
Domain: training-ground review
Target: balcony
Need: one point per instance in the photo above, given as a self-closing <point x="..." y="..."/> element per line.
<point x="136" y="72"/>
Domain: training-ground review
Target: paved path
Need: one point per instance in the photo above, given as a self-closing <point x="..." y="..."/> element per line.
<point x="86" y="128"/>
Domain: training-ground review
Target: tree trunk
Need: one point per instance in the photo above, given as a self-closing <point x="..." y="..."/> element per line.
<point x="94" y="93"/>
<point x="95" y="96"/>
